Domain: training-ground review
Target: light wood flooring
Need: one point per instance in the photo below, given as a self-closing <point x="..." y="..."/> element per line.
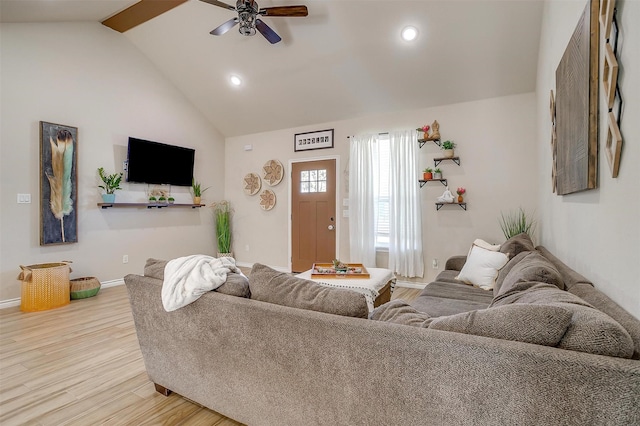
<point x="81" y="365"/>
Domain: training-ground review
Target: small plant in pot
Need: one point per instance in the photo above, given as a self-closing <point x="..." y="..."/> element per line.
<point x="197" y="190"/>
<point x="427" y="174"/>
<point x="437" y="174"/>
<point x="162" y="199"/>
<point x="111" y="185"/>
<point x="171" y="200"/>
<point x="447" y="148"/>
<point x="152" y="199"/>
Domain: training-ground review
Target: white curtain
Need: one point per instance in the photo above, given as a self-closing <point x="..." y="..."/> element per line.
<point x="405" y="219"/>
<point x="362" y="212"/>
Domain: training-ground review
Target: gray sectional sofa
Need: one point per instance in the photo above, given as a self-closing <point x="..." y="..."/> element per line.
<point x="437" y="361"/>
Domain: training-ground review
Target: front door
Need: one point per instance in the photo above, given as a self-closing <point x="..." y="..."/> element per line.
<point x="313" y="213"/>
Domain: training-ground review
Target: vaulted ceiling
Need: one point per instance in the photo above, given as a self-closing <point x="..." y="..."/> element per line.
<point x="346" y="59"/>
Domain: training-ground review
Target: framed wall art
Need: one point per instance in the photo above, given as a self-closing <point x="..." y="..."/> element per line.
<point x="576" y="106"/>
<point x="313" y="140"/>
<point x="58" y="184"/>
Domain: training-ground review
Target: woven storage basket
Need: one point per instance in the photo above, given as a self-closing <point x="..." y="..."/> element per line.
<point x="44" y="286"/>
<point x="81" y="288"/>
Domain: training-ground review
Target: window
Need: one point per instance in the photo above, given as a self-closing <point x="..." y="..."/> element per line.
<point x="381" y="188"/>
<point x="313" y="181"/>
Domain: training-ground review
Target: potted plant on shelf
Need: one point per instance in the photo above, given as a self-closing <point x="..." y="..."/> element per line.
<point x="171" y="200"/>
<point x="437" y="174"/>
<point x="447" y="148"/>
<point x="152" y="199"/>
<point x="111" y="185"/>
<point x="162" y="199"/>
<point x="460" y="191"/>
<point x="222" y="212"/>
<point x="425" y="130"/>
<point x="427" y="173"/>
<point x="197" y="190"/>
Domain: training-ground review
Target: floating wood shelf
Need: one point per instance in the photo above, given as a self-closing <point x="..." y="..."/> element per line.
<point x="437" y="161"/>
<point x="421" y="142"/>
<point x="463" y="206"/>
<point x="148" y="205"/>
<point x="423" y="182"/>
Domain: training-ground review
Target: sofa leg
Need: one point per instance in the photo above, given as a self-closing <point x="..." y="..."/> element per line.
<point x="162" y="390"/>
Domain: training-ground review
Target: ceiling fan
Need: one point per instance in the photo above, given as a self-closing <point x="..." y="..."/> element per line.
<point x="248" y="12"/>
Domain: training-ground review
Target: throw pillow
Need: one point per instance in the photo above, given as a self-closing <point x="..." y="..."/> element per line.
<point x="532" y="267"/>
<point x="537" y="324"/>
<point x="482" y="266"/>
<point x="280" y="288"/>
<point x="517" y="244"/>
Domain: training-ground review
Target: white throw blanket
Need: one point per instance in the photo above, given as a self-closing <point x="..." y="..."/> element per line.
<point x="188" y="278"/>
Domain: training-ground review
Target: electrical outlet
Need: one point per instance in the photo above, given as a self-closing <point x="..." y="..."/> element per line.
<point x="434" y="263"/>
<point x="125" y="258"/>
<point x="24" y="198"/>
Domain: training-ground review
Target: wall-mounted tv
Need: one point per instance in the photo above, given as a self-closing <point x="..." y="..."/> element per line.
<point x="159" y="163"/>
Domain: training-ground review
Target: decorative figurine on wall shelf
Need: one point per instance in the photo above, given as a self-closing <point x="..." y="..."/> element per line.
<point x="460" y="191"/>
<point x="446" y="197"/>
<point x="435" y="133"/>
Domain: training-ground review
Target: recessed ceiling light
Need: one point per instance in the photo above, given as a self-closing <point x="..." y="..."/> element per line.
<point x="235" y="80"/>
<point x="409" y="33"/>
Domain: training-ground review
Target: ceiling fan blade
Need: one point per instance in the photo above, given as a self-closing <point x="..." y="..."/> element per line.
<point x="284" y="11"/>
<point x="219" y="4"/>
<point x="267" y="32"/>
<point x="225" y="27"/>
<point x="139" y="13"/>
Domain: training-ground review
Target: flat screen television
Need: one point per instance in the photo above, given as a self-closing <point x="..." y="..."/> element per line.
<point x="159" y="163"/>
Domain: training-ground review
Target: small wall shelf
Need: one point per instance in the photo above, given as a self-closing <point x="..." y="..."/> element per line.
<point x="421" y="142"/>
<point x="437" y="161"/>
<point x="463" y="206"/>
<point x="423" y="182"/>
<point x="148" y="205"/>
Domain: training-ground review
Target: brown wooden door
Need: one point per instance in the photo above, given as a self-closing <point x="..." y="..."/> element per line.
<point x="313" y="213"/>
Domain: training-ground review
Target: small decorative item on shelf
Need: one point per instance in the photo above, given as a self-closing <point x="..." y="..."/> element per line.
<point x="447" y="148"/>
<point x="197" y="190"/>
<point x="446" y="197"/>
<point x="427" y="173"/>
<point x="171" y="200"/>
<point x="111" y="185"/>
<point x="153" y="200"/>
<point x="460" y="191"/>
<point x="162" y="200"/>
<point x="437" y="174"/>
<point x="425" y="130"/>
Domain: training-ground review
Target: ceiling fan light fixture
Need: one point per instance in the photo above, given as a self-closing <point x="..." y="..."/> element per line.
<point x="235" y="80"/>
<point x="409" y="33"/>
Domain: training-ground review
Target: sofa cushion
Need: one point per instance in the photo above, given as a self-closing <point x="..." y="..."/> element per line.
<point x="235" y="285"/>
<point x="502" y="273"/>
<point x="516" y="244"/>
<point x="280" y="288"/>
<point x="590" y="331"/>
<point x="450" y="296"/>
<point x="482" y="266"/>
<point x="537" y="324"/>
<point x="531" y="267"/>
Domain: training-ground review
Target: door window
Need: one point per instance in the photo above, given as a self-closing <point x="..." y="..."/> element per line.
<point x="313" y="181"/>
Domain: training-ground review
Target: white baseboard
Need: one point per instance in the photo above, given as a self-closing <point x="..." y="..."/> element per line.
<point x="408" y="284"/>
<point x="10" y="303"/>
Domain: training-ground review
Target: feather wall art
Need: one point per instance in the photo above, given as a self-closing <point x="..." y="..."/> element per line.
<point x="58" y="184"/>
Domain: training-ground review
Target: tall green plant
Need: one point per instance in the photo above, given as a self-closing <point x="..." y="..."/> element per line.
<point x="222" y="212"/>
<point x="516" y="222"/>
<point x="111" y="182"/>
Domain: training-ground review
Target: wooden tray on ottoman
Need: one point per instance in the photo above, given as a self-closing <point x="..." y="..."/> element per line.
<point x="326" y="270"/>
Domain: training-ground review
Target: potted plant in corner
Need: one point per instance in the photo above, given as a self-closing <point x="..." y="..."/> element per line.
<point x="427" y="173"/>
<point x="197" y="190"/>
<point x="437" y="174"/>
<point x="222" y="212"/>
<point x="111" y="185"/>
<point x="447" y="148"/>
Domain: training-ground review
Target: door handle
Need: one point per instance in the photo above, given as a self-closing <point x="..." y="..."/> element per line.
<point x="331" y="227"/>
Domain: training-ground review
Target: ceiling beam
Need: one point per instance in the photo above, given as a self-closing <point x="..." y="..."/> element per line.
<point x="139" y="13"/>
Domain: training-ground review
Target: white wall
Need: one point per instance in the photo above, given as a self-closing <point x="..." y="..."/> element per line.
<point x="88" y="76"/>
<point x="496" y="142"/>
<point x="596" y="232"/>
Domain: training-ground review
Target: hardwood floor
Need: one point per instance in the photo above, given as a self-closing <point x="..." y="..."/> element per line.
<point x="81" y="365"/>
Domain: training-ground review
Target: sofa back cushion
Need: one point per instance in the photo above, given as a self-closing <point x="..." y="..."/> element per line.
<point x="235" y="285"/>
<point x="537" y="324"/>
<point x="280" y="288"/>
<point x="516" y="244"/>
<point x="590" y="330"/>
<point x="533" y="267"/>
